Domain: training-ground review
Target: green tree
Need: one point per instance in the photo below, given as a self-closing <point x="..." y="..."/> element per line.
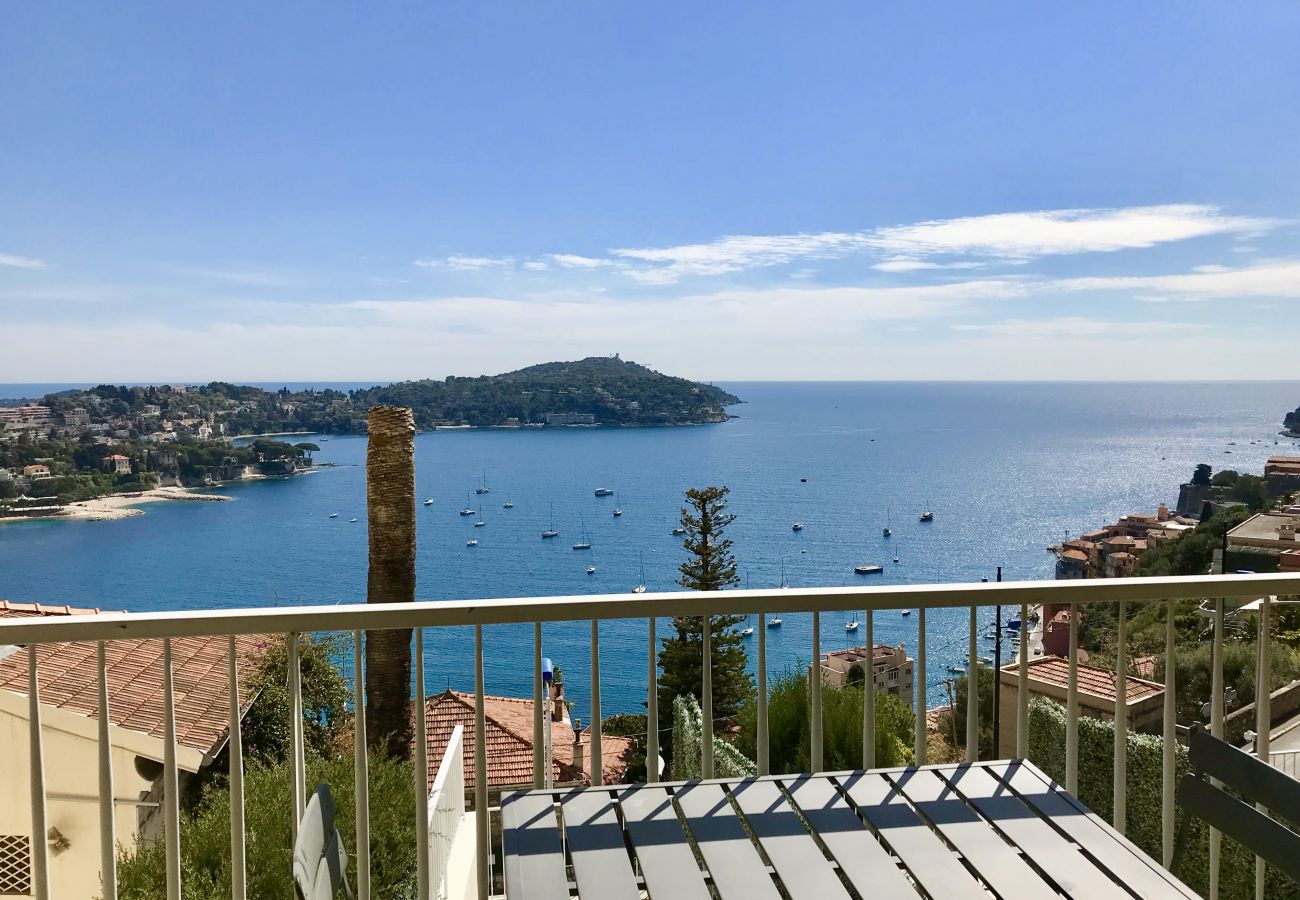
<point x="709" y="566"/>
<point x="984" y="698"/>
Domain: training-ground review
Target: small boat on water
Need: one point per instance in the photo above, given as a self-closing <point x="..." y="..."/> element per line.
<point x="852" y="626"/>
<point x="584" y="543"/>
<point x="351" y="520"/>
<point x="604" y="492"/>
<point x="508" y="505"/>
<point x="334" y="515"/>
<point x="468" y="510"/>
<point x="907" y="612"/>
<point x="868" y="570"/>
<point x="550" y="531"/>
<point x="639" y="589"/>
<point x="927" y="516"/>
<point x="803" y="480"/>
<point x="774" y="622"/>
<point x="886" y="531"/>
<point x="747" y="631"/>
<point x="640" y="585"/>
<point x="895" y="559"/>
<point x="482" y="485"/>
<point x="591" y="570"/>
<point x="797" y="526"/>
<point x="679" y="530"/>
<point x="428" y="501"/>
<point x="471" y="543"/>
<point x="957" y="670"/>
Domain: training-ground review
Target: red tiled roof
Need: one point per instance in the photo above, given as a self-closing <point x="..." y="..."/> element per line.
<point x="68" y="676"/>
<point x="509" y="733"/>
<point x="1092" y="680"/>
<point x="11" y="610"/>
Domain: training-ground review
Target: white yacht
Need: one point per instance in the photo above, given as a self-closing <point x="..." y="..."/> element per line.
<point x="550" y="531"/>
<point x="472" y="542"/>
<point x="797" y="526"/>
<point x="591" y="570"/>
<point x="334" y="515"/>
<point x="868" y="570"/>
<point x="584" y="543"/>
<point x="428" y="501"/>
<point x="852" y="626"/>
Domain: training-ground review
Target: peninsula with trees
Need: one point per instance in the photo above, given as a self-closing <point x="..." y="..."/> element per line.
<point x="75" y="446"/>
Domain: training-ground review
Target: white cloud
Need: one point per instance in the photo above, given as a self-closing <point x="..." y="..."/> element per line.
<point x="573" y="261"/>
<point x="914" y="265"/>
<point x="1026" y="235"/>
<point x="14" y="261"/>
<point x="467" y="263"/>
<point x="1075" y="326"/>
<point x="1276" y="279"/>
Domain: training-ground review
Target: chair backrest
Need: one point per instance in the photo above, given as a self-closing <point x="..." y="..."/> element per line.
<point x="320" y="863"/>
<point x="1245" y="776"/>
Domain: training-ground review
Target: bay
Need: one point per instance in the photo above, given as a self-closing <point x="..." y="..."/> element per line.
<point x="1008" y="468"/>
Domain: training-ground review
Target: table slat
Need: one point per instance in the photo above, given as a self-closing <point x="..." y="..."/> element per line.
<point x="534" y="856"/>
<point x="801" y="864"/>
<point x="601" y="866"/>
<point x="930" y="861"/>
<point x="1126" y="863"/>
<point x="868" y="865"/>
<point x="667" y="864"/>
<point x="737" y="870"/>
<point x="1074" y="873"/>
<point x="984" y="849"/>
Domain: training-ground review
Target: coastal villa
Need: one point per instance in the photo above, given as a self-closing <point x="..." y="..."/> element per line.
<point x="117" y="464"/>
<point x="36" y="470"/>
<point x="67" y="677"/>
<point x="891" y="667"/>
<point x="1266" y="542"/>
<point x="1112" y="551"/>
<point x="1097" y="692"/>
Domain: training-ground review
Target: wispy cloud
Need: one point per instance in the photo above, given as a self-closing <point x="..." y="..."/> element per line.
<point x="1275" y="279"/>
<point x="14" y="261"/>
<point x="1075" y="326"/>
<point x="968" y="242"/>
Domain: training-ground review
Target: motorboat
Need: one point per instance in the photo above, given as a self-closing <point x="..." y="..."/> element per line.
<point x="852" y="626"/>
<point x="868" y="570"/>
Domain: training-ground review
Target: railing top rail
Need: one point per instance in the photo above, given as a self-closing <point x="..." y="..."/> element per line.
<point x="436" y="613"/>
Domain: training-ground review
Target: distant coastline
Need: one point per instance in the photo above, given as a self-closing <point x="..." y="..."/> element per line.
<point x="115" y="507"/>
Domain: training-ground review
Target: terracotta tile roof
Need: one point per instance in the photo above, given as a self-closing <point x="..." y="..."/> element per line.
<point x="1078" y="555"/>
<point x="1092" y="680"/>
<point x="11" y="610"/>
<point x="68" y="675"/>
<point x="509" y="732"/>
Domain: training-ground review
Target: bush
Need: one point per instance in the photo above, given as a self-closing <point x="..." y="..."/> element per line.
<point x="1145" y="768"/>
<point x="688" y="732"/>
<point x="268" y="827"/>
<point x="789" y="727"/>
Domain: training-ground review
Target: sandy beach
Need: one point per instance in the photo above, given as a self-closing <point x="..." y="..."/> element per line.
<point x="119" y="506"/>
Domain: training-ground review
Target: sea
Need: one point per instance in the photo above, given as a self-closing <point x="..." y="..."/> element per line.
<point x="1007" y="468"/>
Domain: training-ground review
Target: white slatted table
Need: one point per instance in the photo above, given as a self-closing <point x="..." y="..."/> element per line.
<point x="994" y="829"/>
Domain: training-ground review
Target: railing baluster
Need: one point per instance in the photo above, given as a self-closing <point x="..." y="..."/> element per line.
<point x="107" y="826"/>
<point x="816" y="692"/>
<point x="973" y="690"/>
<point x="361" y="766"/>
<point x="40" y="852"/>
<point x="482" y="834"/>
<point x="299" y="755"/>
<point x="597" y="762"/>
<point x="1170" y="742"/>
<point x="171" y="780"/>
<point x="918" y="688"/>
<point x="1216" y="729"/>
<point x="1072" y="708"/>
<point x="706" y="697"/>
<point x="1120" y="786"/>
<point x="652" y="706"/>
<point x="761" y="741"/>
<point x="869" y="697"/>
<point x="539" y="735"/>
<point x="421" y="775"/>
<point x="1263" y="713"/>
<point x="1022" y="687"/>
<point x="235" y="752"/>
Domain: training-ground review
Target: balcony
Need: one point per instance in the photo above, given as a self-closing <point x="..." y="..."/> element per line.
<point x="458" y="850"/>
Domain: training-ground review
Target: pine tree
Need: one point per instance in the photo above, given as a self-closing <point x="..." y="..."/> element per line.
<point x="709" y="566"/>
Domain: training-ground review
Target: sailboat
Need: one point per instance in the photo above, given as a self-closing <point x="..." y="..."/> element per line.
<point x="886" y="531"/>
<point x="748" y="630"/>
<point x="585" y="542"/>
<point x="550" y="531"/>
<point x="852" y="626"/>
<point x="679" y="530"/>
<point x="783" y="584"/>
<point x="482" y="485"/>
<point x="479" y="523"/>
<point x="618" y="510"/>
<point x="509" y="504"/>
<point x="591" y="570"/>
<point x="428" y="501"/>
<point x="472" y="542"/>
<point x="468" y="510"/>
<point x="640" y="585"/>
<point x="871" y="569"/>
<point x="927" y="516"/>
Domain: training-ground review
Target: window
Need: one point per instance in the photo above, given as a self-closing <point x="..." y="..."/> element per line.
<point x="15" y="865"/>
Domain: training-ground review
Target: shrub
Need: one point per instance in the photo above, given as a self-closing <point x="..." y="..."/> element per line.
<point x="1145" y="768"/>
<point x="268" y="811"/>
<point x="688" y="732"/>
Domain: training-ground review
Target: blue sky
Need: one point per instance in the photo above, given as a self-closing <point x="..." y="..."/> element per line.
<point x="729" y="190"/>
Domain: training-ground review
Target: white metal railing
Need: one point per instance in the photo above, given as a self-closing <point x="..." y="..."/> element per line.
<point x="1286" y="760"/>
<point x="446" y="810"/>
<point x="358" y="618"/>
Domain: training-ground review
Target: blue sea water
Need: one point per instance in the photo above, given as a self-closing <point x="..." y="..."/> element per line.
<point x="1008" y="468"/>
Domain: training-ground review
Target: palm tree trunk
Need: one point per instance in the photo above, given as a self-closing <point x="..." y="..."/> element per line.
<point x="390" y="504"/>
